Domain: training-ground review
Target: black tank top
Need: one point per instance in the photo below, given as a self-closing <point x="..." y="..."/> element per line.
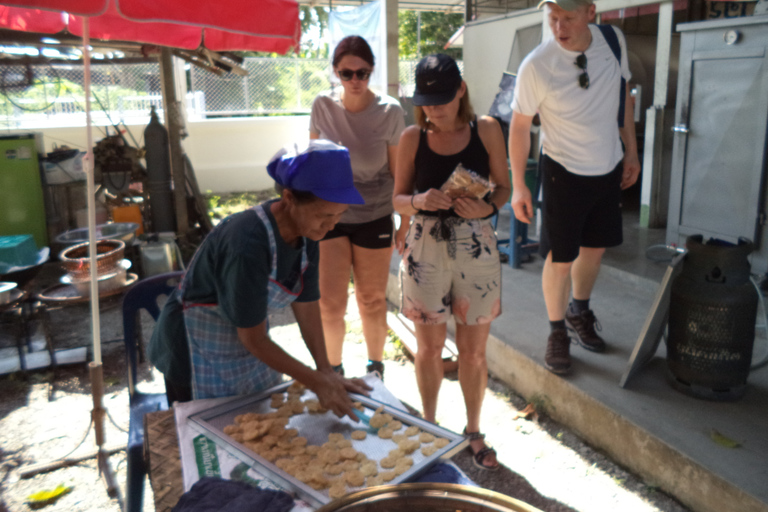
<point x="432" y="169"/>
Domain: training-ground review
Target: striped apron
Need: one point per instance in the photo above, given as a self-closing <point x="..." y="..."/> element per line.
<point x="221" y="365"/>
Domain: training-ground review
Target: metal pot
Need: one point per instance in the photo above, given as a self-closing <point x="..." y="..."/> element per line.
<point x="76" y="260"/>
<point x="432" y="497"/>
<point x="5" y="292"/>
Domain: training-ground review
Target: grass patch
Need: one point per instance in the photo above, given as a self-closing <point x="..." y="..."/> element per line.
<point x="224" y="205"/>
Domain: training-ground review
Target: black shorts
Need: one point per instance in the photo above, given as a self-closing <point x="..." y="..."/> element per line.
<point x="578" y="211"/>
<point x="376" y="234"/>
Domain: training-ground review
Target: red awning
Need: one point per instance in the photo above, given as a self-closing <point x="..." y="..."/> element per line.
<point x="256" y="25"/>
<point x="32" y="20"/>
<point x="81" y="7"/>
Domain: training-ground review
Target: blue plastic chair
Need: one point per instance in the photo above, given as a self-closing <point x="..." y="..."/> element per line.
<point x="518" y="247"/>
<point x="143" y="295"/>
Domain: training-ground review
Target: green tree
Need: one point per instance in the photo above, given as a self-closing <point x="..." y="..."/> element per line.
<point x="436" y="29"/>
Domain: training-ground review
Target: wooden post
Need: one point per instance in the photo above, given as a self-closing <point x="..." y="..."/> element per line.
<point x="173" y="124"/>
<point x="393" y="51"/>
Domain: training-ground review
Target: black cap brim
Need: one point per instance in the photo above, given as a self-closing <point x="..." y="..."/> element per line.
<point x="428" y="100"/>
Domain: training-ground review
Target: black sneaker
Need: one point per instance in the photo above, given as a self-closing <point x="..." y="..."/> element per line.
<point x="377" y="367"/>
<point x="582" y="327"/>
<point x="558" y="357"/>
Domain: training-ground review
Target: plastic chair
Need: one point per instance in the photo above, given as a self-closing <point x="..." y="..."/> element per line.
<point x="143" y="295"/>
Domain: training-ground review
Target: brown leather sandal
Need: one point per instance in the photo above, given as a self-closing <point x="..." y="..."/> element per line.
<point x="479" y="456"/>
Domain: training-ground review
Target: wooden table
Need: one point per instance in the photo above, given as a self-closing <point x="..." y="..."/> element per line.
<point x="161" y="447"/>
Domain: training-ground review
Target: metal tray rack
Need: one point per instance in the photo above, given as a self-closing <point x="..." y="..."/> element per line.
<point x="316" y="427"/>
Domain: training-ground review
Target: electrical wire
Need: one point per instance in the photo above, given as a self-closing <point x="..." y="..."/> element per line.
<point x="88" y="431"/>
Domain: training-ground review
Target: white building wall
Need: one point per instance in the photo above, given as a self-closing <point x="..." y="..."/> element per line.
<point x="228" y="155"/>
<point x="487" y="47"/>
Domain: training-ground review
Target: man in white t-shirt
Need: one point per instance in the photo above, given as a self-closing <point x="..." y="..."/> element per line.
<point x="573" y="82"/>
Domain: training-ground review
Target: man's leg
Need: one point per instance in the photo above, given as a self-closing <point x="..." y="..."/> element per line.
<point x="580" y="319"/>
<point x="585" y="270"/>
<point x="556" y="283"/>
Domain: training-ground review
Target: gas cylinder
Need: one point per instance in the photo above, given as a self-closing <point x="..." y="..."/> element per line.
<point x="159" y="176"/>
<point x="712" y="313"/>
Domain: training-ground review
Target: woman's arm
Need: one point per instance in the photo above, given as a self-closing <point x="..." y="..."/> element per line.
<point x="330" y="388"/>
<point x="404" y="199"/>
<point x="493" y="140"/>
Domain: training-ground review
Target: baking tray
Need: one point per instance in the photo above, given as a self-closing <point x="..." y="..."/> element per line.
<point x="316" y="427"/>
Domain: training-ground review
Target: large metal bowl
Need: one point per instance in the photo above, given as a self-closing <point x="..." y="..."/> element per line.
<point x="427" y="497"/>
<point x="124" y="231"/>
<point x="107" y="282"/>
<point x="5" y="292"/>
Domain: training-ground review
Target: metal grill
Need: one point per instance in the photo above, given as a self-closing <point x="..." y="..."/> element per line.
<point x="125" y="92"/>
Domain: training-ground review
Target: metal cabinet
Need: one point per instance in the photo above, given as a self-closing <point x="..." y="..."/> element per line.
<point x="718" y="183"/>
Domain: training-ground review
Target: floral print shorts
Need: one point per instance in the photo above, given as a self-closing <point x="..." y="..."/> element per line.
<point x="450" y="266"/>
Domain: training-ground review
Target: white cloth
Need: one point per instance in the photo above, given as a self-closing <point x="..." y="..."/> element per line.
<point x="579" y="126"/>
<point x="364" y="21"/>
<point x="366" y="135"/>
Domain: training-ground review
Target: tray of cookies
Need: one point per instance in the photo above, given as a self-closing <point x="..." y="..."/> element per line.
<point x="285" y="434"/>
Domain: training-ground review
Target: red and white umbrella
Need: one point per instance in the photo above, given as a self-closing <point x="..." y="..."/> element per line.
<point x="231" y="25"/>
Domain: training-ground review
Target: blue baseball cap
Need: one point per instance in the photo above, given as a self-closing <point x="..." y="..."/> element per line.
<point x="320" y="167"/>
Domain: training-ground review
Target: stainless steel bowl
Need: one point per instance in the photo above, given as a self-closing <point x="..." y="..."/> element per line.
<point x="427" y="497"/>
<point x="5" y="292"/>
<point x="124" y="231"/>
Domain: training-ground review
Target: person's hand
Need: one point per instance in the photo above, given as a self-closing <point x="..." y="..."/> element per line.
<point x="432" y="200"/>
<point x="522" y="204"/>
<point x="631" y="171"/>
<point x="333" y="390"/>
<point x="400" y="236"/>
<point x="472" y="208"/>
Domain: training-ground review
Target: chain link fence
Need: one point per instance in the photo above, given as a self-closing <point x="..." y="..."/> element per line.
<point x="44" y="95"/>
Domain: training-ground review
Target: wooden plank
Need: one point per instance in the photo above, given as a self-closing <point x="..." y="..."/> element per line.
<point x="161" y="447"/>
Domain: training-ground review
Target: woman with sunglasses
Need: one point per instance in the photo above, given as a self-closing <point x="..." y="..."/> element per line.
<point x="369" y="125"/>
<point x="450" y="263"/>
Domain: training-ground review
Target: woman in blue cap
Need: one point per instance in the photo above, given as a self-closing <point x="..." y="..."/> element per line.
<point x="212" y="337"/>
<point x="450" y="265"/>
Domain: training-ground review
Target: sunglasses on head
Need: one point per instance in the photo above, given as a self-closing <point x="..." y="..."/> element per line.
<point x="361" y="74"/>
<point x="581" y="63"/>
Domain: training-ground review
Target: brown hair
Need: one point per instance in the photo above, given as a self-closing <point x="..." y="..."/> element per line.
<point x="355" y="46"/>
<point x="465" y="114"/>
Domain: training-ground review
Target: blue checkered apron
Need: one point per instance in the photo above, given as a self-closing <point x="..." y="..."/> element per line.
<point x="221" y="365"/>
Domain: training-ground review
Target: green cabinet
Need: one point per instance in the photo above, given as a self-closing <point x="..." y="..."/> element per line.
<point x="22" y="207"/>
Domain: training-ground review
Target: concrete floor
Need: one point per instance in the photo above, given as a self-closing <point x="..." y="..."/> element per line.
<point x="672" y="440"/>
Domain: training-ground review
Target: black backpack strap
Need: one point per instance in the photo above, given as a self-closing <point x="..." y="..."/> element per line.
<point x="613" y="41"/>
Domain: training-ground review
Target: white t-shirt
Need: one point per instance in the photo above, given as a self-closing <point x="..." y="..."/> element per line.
<point x="579" y="126"/>
<point x="366" y="135"/>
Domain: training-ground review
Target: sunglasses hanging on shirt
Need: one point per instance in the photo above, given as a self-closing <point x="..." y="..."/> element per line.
<point x="361" y="74"/>
<point x="581" y="63"/>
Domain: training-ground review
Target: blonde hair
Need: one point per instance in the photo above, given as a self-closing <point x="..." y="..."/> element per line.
<point x="465" y="114"/>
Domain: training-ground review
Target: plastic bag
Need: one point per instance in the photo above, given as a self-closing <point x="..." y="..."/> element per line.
<point x="464" y="183"/>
